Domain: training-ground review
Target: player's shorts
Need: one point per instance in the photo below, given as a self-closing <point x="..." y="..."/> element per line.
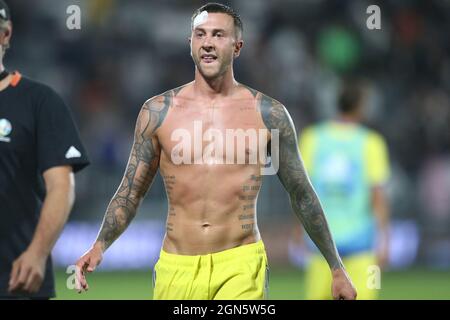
<point x="234" y="274"/>
<point x="359" y="267"/>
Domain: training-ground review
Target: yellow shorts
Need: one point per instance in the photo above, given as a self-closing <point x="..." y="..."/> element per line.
<point x="358" y="266"/>
<point x="240" y="273"/>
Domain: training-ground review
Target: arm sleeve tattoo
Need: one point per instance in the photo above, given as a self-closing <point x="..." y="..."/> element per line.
<point x="295" y="180"/>
<point x="142" y="166"/>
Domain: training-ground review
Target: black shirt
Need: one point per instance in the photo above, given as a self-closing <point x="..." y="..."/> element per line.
<point x="37" y="133"/>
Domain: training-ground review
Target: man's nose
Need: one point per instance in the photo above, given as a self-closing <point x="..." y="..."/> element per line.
<point x="207" y="43"/>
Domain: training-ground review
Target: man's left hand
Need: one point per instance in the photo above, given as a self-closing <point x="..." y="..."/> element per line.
<point x="342" y="287"/>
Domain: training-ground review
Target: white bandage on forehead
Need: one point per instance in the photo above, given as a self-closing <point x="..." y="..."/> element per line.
<point x="200" y="19"/>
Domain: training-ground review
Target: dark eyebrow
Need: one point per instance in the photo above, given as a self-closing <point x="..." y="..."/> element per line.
<point x="213" y="30"/>
<point x="199" y="29"/>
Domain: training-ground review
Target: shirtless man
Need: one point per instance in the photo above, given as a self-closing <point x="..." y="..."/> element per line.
<point x="212" y="248"/>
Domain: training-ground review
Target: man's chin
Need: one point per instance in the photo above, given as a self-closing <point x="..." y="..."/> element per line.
<point x="209" y="75"/>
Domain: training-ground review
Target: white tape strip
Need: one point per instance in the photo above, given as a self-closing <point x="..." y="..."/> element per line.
<point x="200" y="19"/>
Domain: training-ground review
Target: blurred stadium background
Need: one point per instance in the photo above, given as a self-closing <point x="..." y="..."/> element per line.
<point x="295" y="51"/>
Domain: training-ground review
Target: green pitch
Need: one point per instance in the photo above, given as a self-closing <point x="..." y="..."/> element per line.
<point x="284" y="284"/>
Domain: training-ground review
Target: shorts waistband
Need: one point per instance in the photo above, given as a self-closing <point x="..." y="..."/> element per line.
<point x="228" y="255"/>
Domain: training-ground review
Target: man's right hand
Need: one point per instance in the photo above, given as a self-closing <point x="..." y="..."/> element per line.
<point x="87" y="263"/>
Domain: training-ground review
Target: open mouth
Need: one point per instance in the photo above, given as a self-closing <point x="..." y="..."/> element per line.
<point x="208" y="58"/>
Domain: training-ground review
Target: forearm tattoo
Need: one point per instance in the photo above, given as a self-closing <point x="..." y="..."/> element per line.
<point x="294" y="178"/>
<point x="141" y="169"/>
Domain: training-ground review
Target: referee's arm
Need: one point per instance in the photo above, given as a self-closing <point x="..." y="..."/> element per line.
<point x="28" y="270"/>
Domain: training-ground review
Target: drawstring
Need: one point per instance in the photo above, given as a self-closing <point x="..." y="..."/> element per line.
<point x="195" y="272"/>
<point x="209" y="275"/>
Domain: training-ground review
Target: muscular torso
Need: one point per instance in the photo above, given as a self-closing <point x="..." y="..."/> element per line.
<point x="212" y="194"/>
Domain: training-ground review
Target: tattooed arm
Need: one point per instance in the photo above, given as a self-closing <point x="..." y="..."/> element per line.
<point x="304" y="200"/>
<point x="293" y="176"/>
<point x="141" y="169"/>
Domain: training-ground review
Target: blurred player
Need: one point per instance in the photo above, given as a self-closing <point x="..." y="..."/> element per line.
<point x="39" y="151"/>
<point x="212" y="248"/>
<point x="348" y="166"/>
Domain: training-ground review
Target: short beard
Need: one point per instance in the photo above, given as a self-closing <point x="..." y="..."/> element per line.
<point x="209" y="77"/>
<point x="222" y="70"/>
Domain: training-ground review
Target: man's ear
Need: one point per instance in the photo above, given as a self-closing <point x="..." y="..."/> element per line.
<point x="5" y="35"/>
<point x="190" y="40"/>
<point x="238" y="47"/>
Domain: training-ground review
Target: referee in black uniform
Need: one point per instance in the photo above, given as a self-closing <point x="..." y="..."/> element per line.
<point x="40" y="149"/>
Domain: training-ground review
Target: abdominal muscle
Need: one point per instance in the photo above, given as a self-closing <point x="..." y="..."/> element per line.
<point x="211" y="208"/>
